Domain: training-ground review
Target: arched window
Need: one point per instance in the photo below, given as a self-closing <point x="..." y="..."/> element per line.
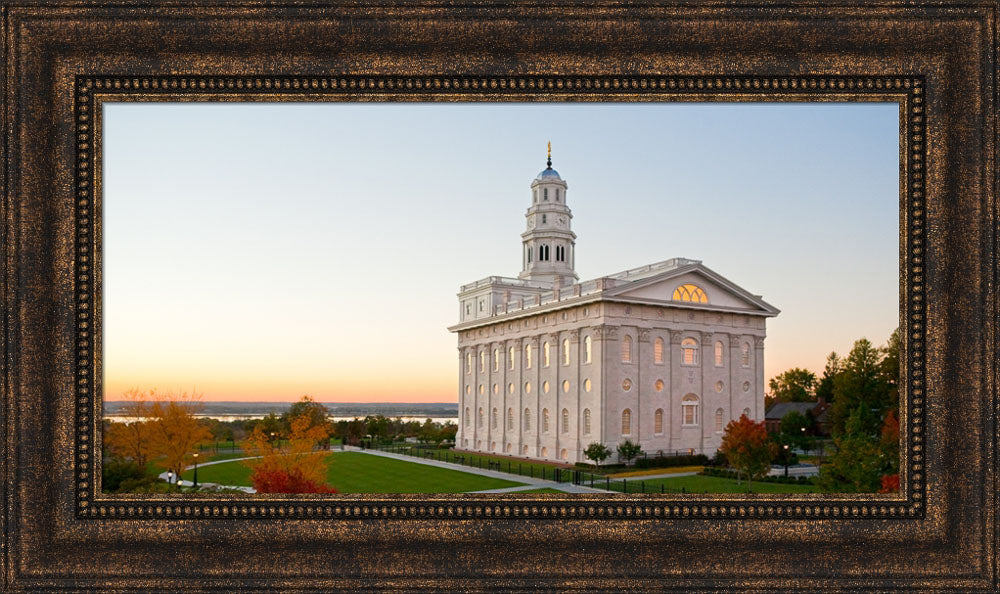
<point x="689" y="347"/>
<point x="545" y="452"/>
<point x="746" y="411"/>
<point x="482" y="361"/>
<point x="545" y="420"/>
<point x="658" y="421"/>
<point x="545" y="354"/>
<point x="745" y="354"/>
<point x="527" y="356"/>
<point x="544" y="218"/>
<point x="545" y="194"/>
<point x="529" y="255"/>
<point x="468" y="362"/>
<point x="658" y="351"/>
<point x="527" y="419"/>
<point x="565" y="351"/>
<point x="557" y="194"/>
<point x="510" y="358"/>
<point x="586" y="421"/>
<point x="496" y="359"/>
<point x="626" y="422"/>
<point x="534" y="195"/>
<point x="467" y="418"/>
<point x="718" y="354"/>
<point x="510" y="419"/>
<point x="689" y="292"/>
<point x="689" y="410"/>
<point x="564" y="453"/>
<point x="586" y="349"/>
<point x="480" y="423"/>
<point x="565" y="420"/>
<point x="493" y="419"/>
<point x="627" y="349"/>
<point x="719" y="420"/>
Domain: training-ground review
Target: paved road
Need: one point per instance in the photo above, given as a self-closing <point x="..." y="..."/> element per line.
<point x="795" y="470"/>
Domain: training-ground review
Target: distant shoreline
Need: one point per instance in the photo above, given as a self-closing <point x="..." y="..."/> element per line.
<point x="334" y="409"/>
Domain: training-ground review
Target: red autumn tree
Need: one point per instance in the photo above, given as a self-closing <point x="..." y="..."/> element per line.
<point x="295" y="468"/>
<point x="748" y="448"/>
<point x="890" y="451"/>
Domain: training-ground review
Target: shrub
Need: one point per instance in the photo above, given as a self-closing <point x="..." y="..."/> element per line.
<point x="672" y="461"/>
<point x="279" y="480"/>
<point x="118" y="471"/>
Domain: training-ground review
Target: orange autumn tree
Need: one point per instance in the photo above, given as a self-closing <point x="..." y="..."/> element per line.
<point x="748" y="448"/>
<point x="175" y="433"/>
<point x="295" y="468"/>
<point x="130" y="438"/>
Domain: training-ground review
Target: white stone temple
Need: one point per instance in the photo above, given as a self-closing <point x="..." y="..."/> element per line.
<point x="664" y="355"/>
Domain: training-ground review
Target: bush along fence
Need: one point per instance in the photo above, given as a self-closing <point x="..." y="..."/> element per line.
<point x="530" y="469"/>
<point x="733" y="474"/>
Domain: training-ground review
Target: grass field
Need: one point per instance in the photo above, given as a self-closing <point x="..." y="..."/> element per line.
<point x="528" y="468"/>
<point x="708" y="484"/>
<point x="354" y="472"/>
<point x="542" y="490"/>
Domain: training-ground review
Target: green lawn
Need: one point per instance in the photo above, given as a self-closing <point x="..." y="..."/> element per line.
<point x="529" y="468"/>
<point x="542" y="490"/>
<point x="707" y="484"/>
<point x="354" y="472"/>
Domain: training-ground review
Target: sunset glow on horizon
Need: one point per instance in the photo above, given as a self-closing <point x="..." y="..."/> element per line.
<point x="262" y="252"/>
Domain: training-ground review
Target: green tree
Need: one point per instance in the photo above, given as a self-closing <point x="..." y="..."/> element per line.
<point x="824" y="388"/>
<point x="628" y="450"/>
<point x="748" y="448"/>
<point x="306" y="407"/>
<point x="796" y="429"/>
<point x="429" y="432"/>
<point x="598" y="452"/>
<point x="793" y="385"/>
<point x="860" y="389"/>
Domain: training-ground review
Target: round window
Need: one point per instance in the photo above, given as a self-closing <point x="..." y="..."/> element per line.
<point x="586" y="385"/>
<point x="545" y="387"/>
<point x="746" y="386"/>
<point x="565" y="385"/>
<point x="719" y="386"/>
<point x="658" y="385"/>
<point x="527" y="387"/>
<point x="627" y="385"/>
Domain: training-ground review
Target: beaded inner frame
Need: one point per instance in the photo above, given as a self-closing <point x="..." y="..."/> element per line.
<point x="92" y="91"/>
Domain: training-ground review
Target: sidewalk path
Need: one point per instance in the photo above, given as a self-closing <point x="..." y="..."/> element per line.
<point x="180" y="483"/>
<point x="531" y="483"/>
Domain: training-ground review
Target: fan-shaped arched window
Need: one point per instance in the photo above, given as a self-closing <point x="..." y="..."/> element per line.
<point x="545" y="420"/>
<point x="467" y="418"/>
<point x="658" y="421"/>
<point x="527" y="419"/>
<point x="689" y="349"/>
<point x="627" y="422"/>
<point x="689" y="292"/>
<point x="480" y="420"/>
<point x="719" y="354"/>
<point x="565" y="420"/>
<point x="493" y="419"/>
<point x="586" y="421"/>
<point x="468" y="362"/>
<point x="527" y="356"/>
<point x="545" y="354"/>
<point x="689" y="410"/>
<point x="565" y="351"/>
<point x="658" y="351"/>
<point x="627" y="349"/>
<point x="719" y="420"/>
<point x="510" y="419"/>
<point x="510" y="358"/>
<point x="586" y="349"/>
<point x="496" y="359"/>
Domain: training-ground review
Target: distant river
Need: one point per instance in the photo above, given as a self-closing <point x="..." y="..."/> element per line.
<point x="227" y="418"/>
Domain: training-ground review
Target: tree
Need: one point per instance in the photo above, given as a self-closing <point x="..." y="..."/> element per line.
<point x="429" y="432"/>
<point x="306" y="407"/>
<point x="824" y="389"/>
<point x="795" y="429"/>
<point x="793" y="385"/>
<point x="598" y="452"/>
<point x="748" y="448"/>
<point x="175" y="432"/>
<point x="130" y="439"/>
<point x="860" y="388"/>
<point x="628" y="450"/>
<point x="296" y="465"/>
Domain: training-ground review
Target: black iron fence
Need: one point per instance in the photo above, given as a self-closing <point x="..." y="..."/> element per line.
<point x="530" y="469"/>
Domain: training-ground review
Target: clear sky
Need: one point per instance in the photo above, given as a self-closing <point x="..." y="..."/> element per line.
<point x="266" y="251"/>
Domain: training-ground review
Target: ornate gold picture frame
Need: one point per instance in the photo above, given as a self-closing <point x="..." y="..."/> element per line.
<point x="62" y="60"/>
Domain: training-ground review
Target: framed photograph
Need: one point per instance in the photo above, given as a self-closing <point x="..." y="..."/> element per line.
<point x="500" y="297"/>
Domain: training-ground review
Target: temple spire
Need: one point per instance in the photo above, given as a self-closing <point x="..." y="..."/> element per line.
<point x="549" y="162"/>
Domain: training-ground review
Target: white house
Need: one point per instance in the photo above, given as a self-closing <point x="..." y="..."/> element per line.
<point x="664" y="355"/>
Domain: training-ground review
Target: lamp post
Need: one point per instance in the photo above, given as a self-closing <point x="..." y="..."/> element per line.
<point x="786" y="460"/>
<point x="804" y="452"/>
<point x="196" y="470"/>
<point x="170" y="477"/>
